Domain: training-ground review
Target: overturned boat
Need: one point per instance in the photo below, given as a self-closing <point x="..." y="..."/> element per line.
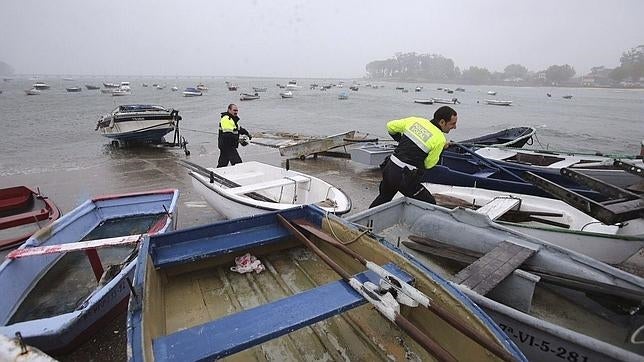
<point x="138" y="123"/>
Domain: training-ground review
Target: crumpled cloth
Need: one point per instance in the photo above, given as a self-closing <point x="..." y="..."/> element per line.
<point x="247" y="263"/>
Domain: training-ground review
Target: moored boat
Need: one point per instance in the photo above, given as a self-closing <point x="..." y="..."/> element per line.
<point x="23" y="211"/>
<point x="252" y="188"/>
<point x="344" y="95"/>
<point x="287" y="94"/>
<point x="202" y="87"/>
<point x="192" y="92"/>
<point x="445" y="101"/>
<point x="33" y="92"/>
<point x="92" y="87"/>
<point x="192" y="306"/>
<point x="248" y="96"/>
<point x="424" y="101"/>
<point x="495" y="102"/>
<point x="73" y="89"/>
<point x="41" y="86"/>
<point x="52" y="296"/>
<point x="138" y="123"/>
<point x="589" y="321"/>
<point x="259" y="89"/>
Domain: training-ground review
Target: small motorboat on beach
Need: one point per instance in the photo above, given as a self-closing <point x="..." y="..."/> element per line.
<point x="495" y="102"/>
<point x="192" y="92"/>
<point x="252" y="188"/>
<point x="23" y="211"/>
<point x="558" y="302"/>
<point x="248" y="96"/>
<point x="55" y="296"/>
<point x="138" y="123"/>
<point x="193" y="306"/>
<point x="552" y="220"/>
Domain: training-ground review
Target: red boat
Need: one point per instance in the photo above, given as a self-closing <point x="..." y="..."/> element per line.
<point x="23" y="211"/>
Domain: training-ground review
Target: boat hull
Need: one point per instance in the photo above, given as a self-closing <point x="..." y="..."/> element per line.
<point x="61" y="332"/>
<point x="234" y="205"/>
<point x="540" y="340"/>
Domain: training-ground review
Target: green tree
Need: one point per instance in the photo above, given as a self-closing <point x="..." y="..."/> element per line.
<point x="476" y="75"/>
<point x="633" y="62"/>
<point x="559" y="73"/>
<point x="515" y="71"/>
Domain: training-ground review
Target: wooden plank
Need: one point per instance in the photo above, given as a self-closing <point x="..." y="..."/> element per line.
<point x="75" y="246"/>
<point x="285" y="181"/>
<point x="242" y="330"/>
<point x="497" y="207"/>
<point x="488" y="271"/>
<point x="315" y="146"/>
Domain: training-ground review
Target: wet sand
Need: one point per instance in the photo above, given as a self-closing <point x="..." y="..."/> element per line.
<point x="150" y="170"/>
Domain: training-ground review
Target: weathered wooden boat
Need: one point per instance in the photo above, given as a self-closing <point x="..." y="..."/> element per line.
<point x="23" y="211"/>
<point x="252" y="188"/>
<point x="594" y="165"/>
<point x="496" y="102"/>
<point x="138" y="123"/>
<point x="375" y="154"/>
<point x="191" y="305"/>
<point x="248" y="96"/>
<point x="476" y="171"/>
<point x="51" y="297"/>
<point x="552" y="220"/>
<point x="560" y="304"/>
<point x="315" y="146"/>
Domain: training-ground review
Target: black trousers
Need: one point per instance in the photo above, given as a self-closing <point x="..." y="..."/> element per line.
<point x="227" y="155"/>
<point x="395" y="179"/>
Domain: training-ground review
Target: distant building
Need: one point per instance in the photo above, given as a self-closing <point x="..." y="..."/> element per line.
<point x="598" y="77"/>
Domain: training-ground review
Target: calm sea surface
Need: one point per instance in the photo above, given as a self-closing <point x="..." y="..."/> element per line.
<point x="55" y="130"/>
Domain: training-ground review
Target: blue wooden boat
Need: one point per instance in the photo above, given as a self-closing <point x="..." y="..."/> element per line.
<point x="54" y="300"/>
<point x="476" y="171"/>
<point x="188" y="305"/>
<point x="509" y="137"/>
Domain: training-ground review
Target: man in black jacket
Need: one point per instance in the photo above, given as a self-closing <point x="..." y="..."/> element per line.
<point x="228" y="139"/>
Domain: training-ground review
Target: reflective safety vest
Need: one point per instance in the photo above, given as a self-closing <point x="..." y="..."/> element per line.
<point x="227" y="124"/>
<point x="421" y="143"/>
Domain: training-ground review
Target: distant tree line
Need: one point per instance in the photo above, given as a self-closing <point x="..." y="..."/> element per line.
<point x="436" y="68"/>
<point x="5" y="69"/>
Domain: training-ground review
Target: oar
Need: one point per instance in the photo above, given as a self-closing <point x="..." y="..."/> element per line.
<point x="489" y="163"/>
<point x="387" y="311"/>
<point x="413" y="293"/>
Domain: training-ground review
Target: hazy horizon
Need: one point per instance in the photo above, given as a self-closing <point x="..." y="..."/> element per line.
<point x="294" y="38"/>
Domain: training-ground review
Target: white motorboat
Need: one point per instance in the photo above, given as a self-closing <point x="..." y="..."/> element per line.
<point x="160" y="87"/>
<point x="202" y="87"/>
<point x="33" y="92"/>
<point x="248" y="96"/>
<point x="41" y="86"/>
<point x="343" y="95"/>
<point x="110" y="85"/>
<point x="491" y="93"/>
<point x="252" y="188"/>
<point x="292" y="85"/>
<point x="287" y="94"/>
<point x="495" y="102"/>
<point x="551" y="220"/>
<point x="138" y="123"/>
<point x="121" y="92"/>
<point x="174" y="89"/>
<point x="192" y="92"/>
<point x="445" y="100"/>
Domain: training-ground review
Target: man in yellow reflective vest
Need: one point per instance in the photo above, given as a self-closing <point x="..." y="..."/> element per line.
<point x="228" y="139"/>
<point x="420" y="143"/>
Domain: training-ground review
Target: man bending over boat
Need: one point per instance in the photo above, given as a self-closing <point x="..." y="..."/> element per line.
<point x="228" y="139"/>
<point x="420" y="143"/>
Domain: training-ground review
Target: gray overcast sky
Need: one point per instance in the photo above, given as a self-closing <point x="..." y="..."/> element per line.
<point x="293" y="38"/>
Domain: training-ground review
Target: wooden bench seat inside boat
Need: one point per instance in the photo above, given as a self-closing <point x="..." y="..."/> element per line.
<point x="498" y="206"/>
<point x="284" y="181"/>
<point x="242" y="330"/>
